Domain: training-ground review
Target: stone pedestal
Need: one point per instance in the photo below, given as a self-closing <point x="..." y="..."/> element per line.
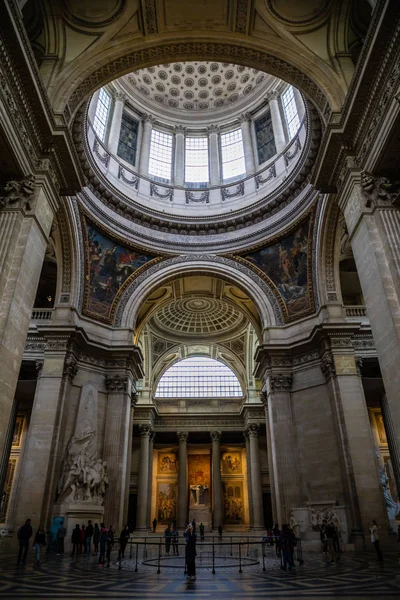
<point x="76" y="514"/>
<point x="202" y="514"/>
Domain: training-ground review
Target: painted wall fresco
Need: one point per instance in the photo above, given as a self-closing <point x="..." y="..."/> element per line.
<point x="110" y="264"/>
<point x="265" y="138"/>
<point x="166" y="502"/>
<point x="231" y="463"/>
<point x="167" y="463"/>
<point x="199" y="469"/>
<point x="233" y="502"/>
<point x="287" y="266"/>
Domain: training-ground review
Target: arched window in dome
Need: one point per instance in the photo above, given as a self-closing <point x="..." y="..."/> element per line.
<point x="199" y="377"/>
<point x="102" y="113"/>
<point x="196" y="161"/>
<point x="291" y="113"/>
<point x="232" y="152"/>
<point x="160" y="161"/>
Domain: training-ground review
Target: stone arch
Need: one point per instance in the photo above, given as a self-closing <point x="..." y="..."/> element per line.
<point x="319" y="83"/>
<point x="328" y="250"/>
<point x="267" y="304"/>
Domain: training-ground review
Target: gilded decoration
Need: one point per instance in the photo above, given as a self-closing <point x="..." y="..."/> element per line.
<point x="167" y="463"/>
<point x="17" y="436"/>
<point x="166" y="502"/>
<point x="286" y="265"/>
<point x="5" y="497"/>
<point x="231" y="463"/>
<point x="199" y="469"/>
<point x="110" y="267"/>
<point x="233" y="502"/>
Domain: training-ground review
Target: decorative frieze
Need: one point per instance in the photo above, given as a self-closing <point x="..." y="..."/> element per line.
<point x="281" y="382"/>
<point x="116" y="383"/>
<point x="328" y="366"/>
<point x="379" y="191"/>
<point x="70" y="367"/>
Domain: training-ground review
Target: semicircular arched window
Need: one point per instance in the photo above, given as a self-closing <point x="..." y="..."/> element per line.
<point x="198" y="377"/>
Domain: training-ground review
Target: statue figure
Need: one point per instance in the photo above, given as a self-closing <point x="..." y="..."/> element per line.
<point x="392" y="507"/>
<point x="294" y="525"/>
<point x="198" y="493"/>
<point x="18" y="192"/>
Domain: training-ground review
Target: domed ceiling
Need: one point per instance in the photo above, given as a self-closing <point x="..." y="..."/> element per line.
<point x="197" y="86"/>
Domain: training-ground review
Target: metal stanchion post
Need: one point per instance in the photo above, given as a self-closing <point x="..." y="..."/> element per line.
<point x="137" y="551"/>
<point x="159" y="558"/>
<point x="213" y="557"/>
<point x="231" y="545"/>
<point x="248" y="545"/>
<point x="240" y="556"/>
<point x="145" y="549"/>
<point x="119" y="557"/>
<point x="130" y="551"/>
<point x="263" y="555"/>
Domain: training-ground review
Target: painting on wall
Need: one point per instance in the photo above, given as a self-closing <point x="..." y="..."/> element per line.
<point x="110" y="264"/>
<point x="17" y="435"/>
<point x="5" y="498"/>
<point x="166" y="502"/>
<point x="287" y="264"/>
<point x="167" y="463"/>
<point x="231" y="463"/>
<point x="233" y="502"/>
<point x="199" y="469"/>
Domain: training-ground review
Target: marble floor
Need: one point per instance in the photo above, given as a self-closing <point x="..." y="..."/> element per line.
<point x="62" y="578"/>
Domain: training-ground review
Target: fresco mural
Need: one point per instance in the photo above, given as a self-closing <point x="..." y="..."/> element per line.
<point x="199" y="469"/>
<point x="109" y="266"/>
<point x="231" y="463"/>
<point x="167" y="463"/>
<point x="233" y="502"/>
<point x="166" y="502"/>
<point x="286" y="265"/>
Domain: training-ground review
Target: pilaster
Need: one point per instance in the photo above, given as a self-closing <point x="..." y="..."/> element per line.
<point x="245" y="124"/>
<point x="255" y="468"/>
<point x="143" y="484"/>
<point x="277" y="125"/>
<point x="216" y="479"/>
<point x="147" y="122"/>
<point x="179" y="162"/>
<point x="116" y="120"/>
<point x="182" y="479"/>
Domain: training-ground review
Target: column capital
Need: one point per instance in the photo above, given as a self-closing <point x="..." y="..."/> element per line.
<point x="216" y="436"/>
<point x="180" y="129"/>
<point x="120" y="96"/>
<point x="213" y="129"/>
<point x="272" y="95"/>
<point x="264" y="398"/>
<point x="252" y="430"/>
<point x="379" y="191"/>
<point x="182" y="436"/>
<point x="116" y="383"/>
<point x="39" y="367"/>
<point x="152" y="436"/>
<point x="244" y="118"/>
<point x="148" y="118"/>
<point x="18" y="193"/>
<point x="281" y="382"/>
<point x="145" y="430"/>
<point x="328" y="366"/>
<point x="70" y="367"/>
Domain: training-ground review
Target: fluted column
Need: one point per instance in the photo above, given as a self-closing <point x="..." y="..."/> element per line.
<point x="26" y="216"/>
<point x="277" y="125"/>
<point x="182" y="479"/>
<point x="391" y="440"/>
<point x="179" y="163"/>
<point x="143" y="483"/>
<point x="151" y="449"/>
<point x="216" y="479"/>
<point x="145" y="144"/>
<point x="215" y="172"/>
<point x="115" y="127"/>
<point x="245" y="123"/>
<point x="249" y="486"/>
<point x="264" y="400"/>
<point x="301" y="109"/>
<point x="256" y="487"/>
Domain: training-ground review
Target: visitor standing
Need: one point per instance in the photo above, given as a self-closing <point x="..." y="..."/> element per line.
<point x="374" y="530"/>
<point x="277" y="537"/>
<point x="82" y="548"/>
<point x="190" y="553"/>
<point x="220" y="532"/>
<point x="324" y="539"/>
<point x="154" y="525"/>
<point x="96" y="538"/>
<point x="194" y="525"/>
<point x="167" y="536"/>
<point x="38" y="543"/>
<point x="286" y="543"/>
<point x="330" y="534"/>
<point x="103" y="542"/>
<point x="175" y="541"/>
<point x="89" y="535"/>
<point x="60" y="537"/>
<point x="201" y="527"/>
<point x="24" y="534"/>
<point x="110" y="543"/>
<point x="123" y="540"/>
<point x="76" y="540"/>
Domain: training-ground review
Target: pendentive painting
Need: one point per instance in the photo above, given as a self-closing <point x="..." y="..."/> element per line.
<point x="166" y="502"/>
<point x="109" y="266"/>
<point x="167" y="463"/>
<point x="231" y="463"/>
<point x="199" y="469"/>
<point x="286" y="263"/>
<point x="233" y="503"/>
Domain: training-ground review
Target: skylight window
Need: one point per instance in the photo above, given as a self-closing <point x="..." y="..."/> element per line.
<point x="102" y="114"/>
<point x="290" y="110"/>
<point x="196" y="160"/>
<point x="160" y="163"/>
<point x="199" y="377"/>
<point x="232" y="152"/>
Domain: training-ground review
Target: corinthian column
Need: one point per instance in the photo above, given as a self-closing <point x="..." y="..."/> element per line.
<point x="115" y="127"/>
<point x="277" y="125"/>
<point x="392" y="440"/>
<point x="143" y="483"/>
<point x="256" y="487"/>
<point x="145" y="144"/>
<point x="182" y="479"/>
<point x="245" y="121"/>
<point x="216" y="478"/>
<point x="26" y="216"/>
<point x="215" y="175"/>
<point x="179" y="162"/>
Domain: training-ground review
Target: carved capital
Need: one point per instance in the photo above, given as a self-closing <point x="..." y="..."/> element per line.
<point x="120" y="96"/>
<point x="273" y="95"/>
<point x="244" y="118"/>
<point x="180" y="129"/>
<point x="264" y="398"/>
<point x="359" y="364"/>
<point x="213" y="129"/>
<point x="134" y="399"/>
<point x="328" y="366"/>
<point x="116" y="383"/>
<point x="182" y="436"/>
<point x="70" y="367"/>
<point x="216" y="436"/>
<point x="152" y="436"/>
<point x="379" y="191"/>
<point x="281" y="382"/>
<point x="18" y="193"/>
<point x="145" y="430"/>
<point x="39" y="367"/>
<point x="252" y="430"/>
<point x="148" y="118"/>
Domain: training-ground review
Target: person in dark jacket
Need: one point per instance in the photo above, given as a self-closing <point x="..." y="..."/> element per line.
<point x="82" y="547"/>
<point x="89" y="535"/>
<point x="96" y="538"/>
<point x="24" y="534"/>
<point x="330" y="534"/>
<point x="220" y="532"/>
<point x="110" y="543"/>
<point x="38" y="543"/>
<point x="123" y="540"/>
<point x="190" y="553"/>
<point x="61" y="533"/>
<point x="277" y="537"/>
<point x="287" y="548"/>
<point x="76" y="540"/>
<point x="167" y="537"/>
<point x="201" y="527"/>
<point x="103" y="542"/>
<point x="154" y="525"/>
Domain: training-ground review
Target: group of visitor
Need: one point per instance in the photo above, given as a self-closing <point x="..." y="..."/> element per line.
<point x="285" y="542"/>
